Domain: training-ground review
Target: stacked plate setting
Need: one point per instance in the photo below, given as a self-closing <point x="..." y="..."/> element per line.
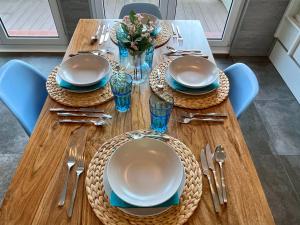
<point x="144" y="177"/>
<point x="192" y="75"/>
<point x="83" y="73"/>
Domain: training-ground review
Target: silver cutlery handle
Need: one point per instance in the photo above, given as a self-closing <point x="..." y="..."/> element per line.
<point x="62" y="197"/>
<point x="173" y="30"/>
<point x="70" y="210"/>
<point x="211" y="114"/>
<point x="157" y="136"/>
<point x="75" y="121"/>
<point x="223" y="184"/>
<point x="218" y="188"/>
<point x="75" y="110"/>
<point x="208" y="119"/>
<point x="213" y="194"/>
<point x="178" y="31"/>
<point x="102" y="35"/>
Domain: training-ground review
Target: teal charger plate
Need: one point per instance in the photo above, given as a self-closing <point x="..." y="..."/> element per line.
<point x="76" y="89"/>
<point x="189" y="91"/>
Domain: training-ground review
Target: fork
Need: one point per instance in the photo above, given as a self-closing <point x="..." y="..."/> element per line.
<point x="79" y="171"/>
<point x="70" y="164"/>
<point x="180" y="38"/>
<point x="187" y="120"/>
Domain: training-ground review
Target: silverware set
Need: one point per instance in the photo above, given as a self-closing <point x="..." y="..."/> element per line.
<point x="74" y="158"/>
<point x="98" y="52"/>
<point x="93" y="116"/>
<point x="187" y="117"/>
<point x="103" y="36"/>
<point x="208" y="159"/>
<point x="176" y="33"/>
<point x="182" y="52"/>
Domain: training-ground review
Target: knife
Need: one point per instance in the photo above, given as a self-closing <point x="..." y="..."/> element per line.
<point x="206" y="173"/>
<point x="76" y="110"/>
<point x="209" y="157"/>
<point x="107" y="33"/>
<point x="92" y="115"/>
<point x="102" y="35"/>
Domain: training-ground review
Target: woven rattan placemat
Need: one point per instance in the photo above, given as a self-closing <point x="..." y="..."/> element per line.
<point x="183" y="100"/>
<point x="68" y="98"/>
<point x="111" y="215"/>
<point x="162" y="38"/>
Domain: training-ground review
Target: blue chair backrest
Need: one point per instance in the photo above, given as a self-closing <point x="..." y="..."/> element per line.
<point x="140" y="8"/>
<point x="23" y="91"/>
<point x="243" y="86"/>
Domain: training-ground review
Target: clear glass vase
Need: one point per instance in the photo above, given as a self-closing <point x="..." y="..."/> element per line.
<point x="137" y="67"/>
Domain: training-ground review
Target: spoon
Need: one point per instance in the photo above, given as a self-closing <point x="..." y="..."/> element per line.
<point x="173" y="50"/>
<point x="95" y="122"/>
<point x="138" y="135"/>
<point x="186" y="120"/>
<point x="220" y="157"/>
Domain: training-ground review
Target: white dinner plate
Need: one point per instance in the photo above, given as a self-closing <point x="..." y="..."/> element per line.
<point x="141" y="212"/>
<point x="144" y="172"/>
<point x="193" y="72"/>
<point x="84" y="69"/>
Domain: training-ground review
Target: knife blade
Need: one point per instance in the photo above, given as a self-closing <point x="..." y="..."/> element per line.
<point x="206" y="172"/>
<point x="76" y="110"/>
<point x="209" y="157"/>
<point x="92" y="115"/>
<point x="107" y="33"/>
<point x="102" y="35"/>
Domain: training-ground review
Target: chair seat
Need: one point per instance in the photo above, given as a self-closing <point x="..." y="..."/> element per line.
<point x="140" y="8"/>
<point x="23" y="91"/>
<point x="243" y="87"/>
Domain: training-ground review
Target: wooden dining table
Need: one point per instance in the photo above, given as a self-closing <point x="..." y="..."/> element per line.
<point x="33" y="195"/>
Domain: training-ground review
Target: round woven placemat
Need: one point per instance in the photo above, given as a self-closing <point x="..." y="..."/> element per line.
<point x="188" y="101"/>
<point x="111" y="215"/>
<point x="68" y="98"/>
<point x="162" y="38"/>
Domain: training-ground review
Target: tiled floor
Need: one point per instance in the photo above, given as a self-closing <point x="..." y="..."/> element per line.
<point x="271" y="129"/>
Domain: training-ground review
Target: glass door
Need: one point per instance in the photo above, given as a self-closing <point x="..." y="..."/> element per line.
<point x="218" y="17"/>
<point x="30" y="22"/>
<point x="110" y="9"/>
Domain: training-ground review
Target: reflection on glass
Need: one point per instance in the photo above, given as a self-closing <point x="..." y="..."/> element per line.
<point x="29" y="18"/>
<point x="211" y="13"/>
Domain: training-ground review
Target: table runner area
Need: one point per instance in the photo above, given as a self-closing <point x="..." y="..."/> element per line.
<point x="111" y="215"/>
<point x="187" y="101"/>
<point x="162" y="38"/>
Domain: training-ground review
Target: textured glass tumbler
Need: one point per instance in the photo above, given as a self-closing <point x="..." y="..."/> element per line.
<point x="121" y="86"/>
<point x="160" y="111"/>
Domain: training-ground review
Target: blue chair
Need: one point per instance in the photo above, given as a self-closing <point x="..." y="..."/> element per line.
<point x="243" y="87"/>
<point x="140" y="8"/>
<point x="23" y="91"/>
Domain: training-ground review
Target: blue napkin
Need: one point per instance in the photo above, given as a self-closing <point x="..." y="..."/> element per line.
<point x="117" y="202"/>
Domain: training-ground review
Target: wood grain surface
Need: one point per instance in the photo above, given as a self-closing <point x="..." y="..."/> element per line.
<point x="34" y="192"/>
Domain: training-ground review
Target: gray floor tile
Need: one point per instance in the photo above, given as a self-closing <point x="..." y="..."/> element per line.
<point x="292" y="166"/>
<point x="255" y="133"/>
<point x="280" y="193"/>
<point x="13" y="137"/>
<point x="282" y="120"/>
<point x="8" y="164"/>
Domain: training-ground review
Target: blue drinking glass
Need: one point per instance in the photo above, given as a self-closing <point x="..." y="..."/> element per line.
<point x="149" y="56"/>
<point x="121" y="86"/>
<point x="121" y="35"/>
<point x="160" y="111"/>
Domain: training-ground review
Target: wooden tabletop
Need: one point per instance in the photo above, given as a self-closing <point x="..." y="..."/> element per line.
<point x="33" y="194"/>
